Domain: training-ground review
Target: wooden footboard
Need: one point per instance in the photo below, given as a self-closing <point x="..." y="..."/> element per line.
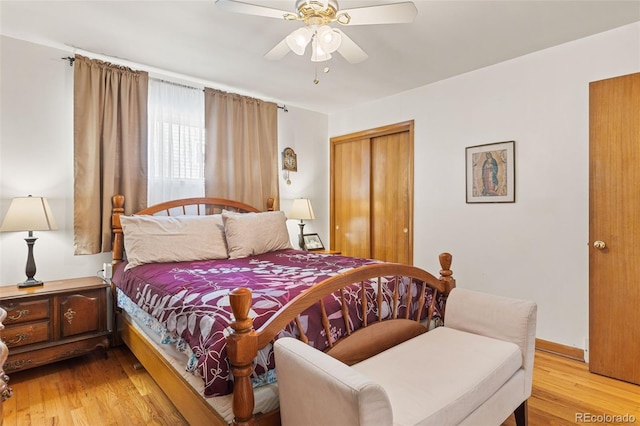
<point x="243" y="343"/>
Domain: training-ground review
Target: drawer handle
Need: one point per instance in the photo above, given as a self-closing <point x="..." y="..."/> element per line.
<point x="19" y="314"/>
<point x="69" y="315"/>
<point x="18" y="338"/>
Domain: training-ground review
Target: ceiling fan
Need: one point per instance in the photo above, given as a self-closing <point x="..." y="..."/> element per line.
<point x="317" y="15"/>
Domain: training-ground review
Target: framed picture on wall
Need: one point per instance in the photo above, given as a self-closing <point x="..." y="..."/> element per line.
<point x="313" y="242"/>
<point x="490" y="173"/>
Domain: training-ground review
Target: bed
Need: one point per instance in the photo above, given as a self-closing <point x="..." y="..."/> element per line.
<point x="203" y="328"/>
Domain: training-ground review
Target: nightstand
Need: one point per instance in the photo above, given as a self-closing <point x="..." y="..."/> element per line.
<point x="327" y="251"/>
<point x="59" y="320"/>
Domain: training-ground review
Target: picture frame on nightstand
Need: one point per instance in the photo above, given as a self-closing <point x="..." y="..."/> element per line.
<point x="313" y="242"/>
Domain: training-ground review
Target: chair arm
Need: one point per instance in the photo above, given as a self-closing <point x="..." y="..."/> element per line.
<point x="499" y="317"/>
<point x="340" y="395"/>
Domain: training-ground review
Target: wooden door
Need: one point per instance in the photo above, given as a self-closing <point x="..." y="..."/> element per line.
<point x="372" y="193"/>
<point x="614" y="220"/>
<point x="392" y="201"/>
<point x="351" y="188"/>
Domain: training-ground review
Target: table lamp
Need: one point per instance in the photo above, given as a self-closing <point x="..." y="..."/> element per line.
<point x="301" y="209"/>
<point x="29" y="214"/>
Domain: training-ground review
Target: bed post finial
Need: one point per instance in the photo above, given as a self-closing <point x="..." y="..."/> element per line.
<point x="446" y="274"/>
<point x="117" y="245"/>
<point x="242" y="348"/>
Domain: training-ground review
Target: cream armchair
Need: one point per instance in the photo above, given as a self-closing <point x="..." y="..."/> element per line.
<point x="476" y="370"/>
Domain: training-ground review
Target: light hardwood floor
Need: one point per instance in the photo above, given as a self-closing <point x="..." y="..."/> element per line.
<point x="92" y="390"/>
<point x="89" y="390"/>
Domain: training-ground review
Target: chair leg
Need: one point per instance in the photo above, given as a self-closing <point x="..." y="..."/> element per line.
<point x="521" y="414"/>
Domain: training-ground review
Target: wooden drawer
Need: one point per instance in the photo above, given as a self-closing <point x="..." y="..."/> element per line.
<point x="35" y="358"/>
<point x="25" y="310"/>
<point x="20" y="335"/>
<point x="81" y="313"/>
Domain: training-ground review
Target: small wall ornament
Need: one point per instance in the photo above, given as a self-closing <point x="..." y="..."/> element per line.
<point x="289" y="163"/>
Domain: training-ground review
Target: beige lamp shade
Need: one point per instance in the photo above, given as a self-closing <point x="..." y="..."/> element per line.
<point x="28" y="214"/>
<point x="301" y="209"/>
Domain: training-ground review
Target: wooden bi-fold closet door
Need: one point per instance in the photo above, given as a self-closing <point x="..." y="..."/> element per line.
<point x="372" y="193"/>
<point x="614" y="227"/>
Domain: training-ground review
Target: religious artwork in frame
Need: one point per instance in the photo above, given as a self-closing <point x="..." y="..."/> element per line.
<point x="491" y="173"/>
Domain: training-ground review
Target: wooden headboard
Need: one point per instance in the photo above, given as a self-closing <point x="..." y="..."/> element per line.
<point x="186" y="206"/>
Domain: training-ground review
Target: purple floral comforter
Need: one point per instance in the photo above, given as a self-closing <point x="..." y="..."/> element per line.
<point x="191" y="299"/>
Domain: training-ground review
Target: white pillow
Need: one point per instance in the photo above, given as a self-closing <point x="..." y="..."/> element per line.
<point x="248" y="234"/>
<point x="155" y="239"/>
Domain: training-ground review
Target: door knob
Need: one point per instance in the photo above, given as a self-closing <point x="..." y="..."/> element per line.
<point x="599" y="244"/>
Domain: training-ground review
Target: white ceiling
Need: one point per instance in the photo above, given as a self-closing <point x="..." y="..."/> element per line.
<point x="197" y="39"/>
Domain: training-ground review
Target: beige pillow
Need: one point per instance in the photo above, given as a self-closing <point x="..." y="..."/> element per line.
<point x="255" y="233"/>
<point x="155" y="239"/>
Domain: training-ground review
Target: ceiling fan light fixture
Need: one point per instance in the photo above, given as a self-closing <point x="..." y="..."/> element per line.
<point x="328" y="39"/>
<point x="317" y="14"/>
<point x="318" y="54"/>
<point x="299" y="39"/>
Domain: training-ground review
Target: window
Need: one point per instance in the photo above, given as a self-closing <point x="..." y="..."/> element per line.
<point x="176" y="142"/>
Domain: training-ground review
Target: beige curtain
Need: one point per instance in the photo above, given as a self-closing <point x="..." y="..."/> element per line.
<point x="110" y="148"/>
<point x="241" y="153"/>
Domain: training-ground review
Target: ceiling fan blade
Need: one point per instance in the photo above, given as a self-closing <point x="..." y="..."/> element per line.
<point x="395" y="13"/>
<point x="278" y="52"/>
<point x="250" y="9"/>
<point x="350" y="50"/>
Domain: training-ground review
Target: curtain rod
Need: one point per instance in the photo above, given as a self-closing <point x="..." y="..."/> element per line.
<point x="160" y="73"/>
<point x="71" y="60"/>
<point x="177" y="84"/>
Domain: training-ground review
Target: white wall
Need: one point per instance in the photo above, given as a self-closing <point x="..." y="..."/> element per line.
<point x="306" y="132"/>
<point x="536" y="248"/>
<point x="36" y="157"/>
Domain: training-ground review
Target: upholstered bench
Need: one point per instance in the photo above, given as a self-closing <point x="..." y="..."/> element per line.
<point x="476" y="370"/>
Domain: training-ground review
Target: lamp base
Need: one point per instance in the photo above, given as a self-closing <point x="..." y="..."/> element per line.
<point x="30" y="283"/>
<point x="301" y="236"/>
<point x="31" y="265"/>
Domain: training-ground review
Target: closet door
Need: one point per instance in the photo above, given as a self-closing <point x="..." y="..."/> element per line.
<point x="351" y="189"/>
<point x="372" y="193"/>
<point x="391" y="195"/>
<point x="614" y="228"/>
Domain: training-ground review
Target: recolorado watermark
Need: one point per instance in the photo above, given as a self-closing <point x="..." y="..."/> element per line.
<point x="605" y="418"/>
